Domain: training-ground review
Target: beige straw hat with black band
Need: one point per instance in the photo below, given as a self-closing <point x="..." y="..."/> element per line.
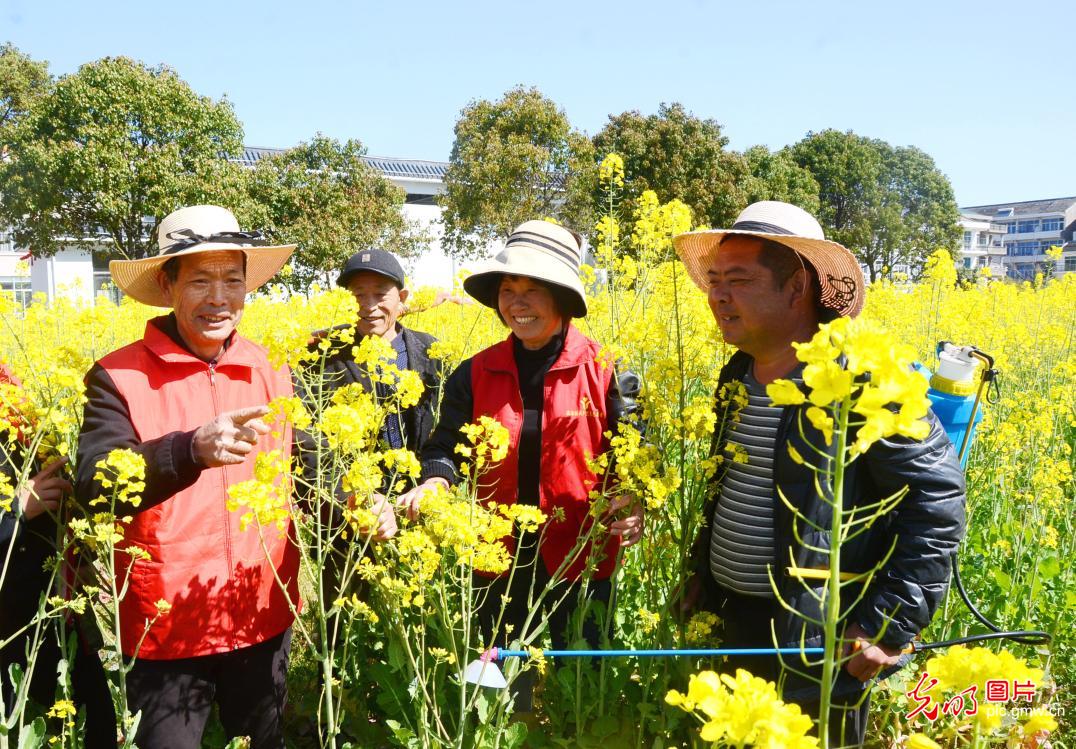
<point x="840" y="277"/>
<point x="536" y="249"/>
<point x="198" y="228"/>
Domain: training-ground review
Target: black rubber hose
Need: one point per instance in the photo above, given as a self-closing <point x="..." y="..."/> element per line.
<point x="1024" y="636"/>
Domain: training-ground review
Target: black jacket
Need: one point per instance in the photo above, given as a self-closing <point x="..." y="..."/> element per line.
<point x="926" y="527"/>
<point x="31" y="544"/>
<point x="338" y="368"/>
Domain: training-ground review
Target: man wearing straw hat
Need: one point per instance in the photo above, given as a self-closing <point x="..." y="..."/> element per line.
<point x="771" y="280"/>
<point x="189" y="397"/>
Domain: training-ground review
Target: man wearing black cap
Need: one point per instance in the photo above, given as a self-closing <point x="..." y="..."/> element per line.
<point x="376" y="279"/>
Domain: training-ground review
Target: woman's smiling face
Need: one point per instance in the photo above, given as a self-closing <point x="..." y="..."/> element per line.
<point x="529" y="309"/>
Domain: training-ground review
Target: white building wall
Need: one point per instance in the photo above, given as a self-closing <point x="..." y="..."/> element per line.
<point x="981" y="245"/>
<point x="434" y="266"/>
<point x="10" y="264"/>
<point x="69" y="273"/>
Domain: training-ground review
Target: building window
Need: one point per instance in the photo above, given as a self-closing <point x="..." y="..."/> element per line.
<point x="104" y="286"/>
<point x="982" y="239"/>
<point x="1051" y="224"/>
<point x="1030" y="225"/>
<point x="1070" y="263"/>
<point x="414" y="198"/>
<point x="1020" y="249"/>
<point x="967" y="262"/>
<point x="18" y="287"/>
<point x="1023" y="271"/>
<point x="983" y="260"/>
<point x="1047" y="244"/>
<point x="967" y="239"/>
<point x="1010" y="227"/>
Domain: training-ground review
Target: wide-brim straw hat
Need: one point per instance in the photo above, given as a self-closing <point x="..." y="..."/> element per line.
<point x="188" y="231"/>
<point x="536" y="249"/>
<point x="840" y="278"/>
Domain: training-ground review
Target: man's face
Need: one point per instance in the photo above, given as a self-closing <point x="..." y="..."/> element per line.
<point x="207" y="296"/>
<point x="380" y="303"/>
<point x="752" y="313"/>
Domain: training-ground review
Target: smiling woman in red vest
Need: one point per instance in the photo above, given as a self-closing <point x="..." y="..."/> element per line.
<point x="189" y="397"/>
<point x="546" y="384"/>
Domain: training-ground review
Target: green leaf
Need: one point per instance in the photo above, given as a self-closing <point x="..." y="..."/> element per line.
<point x="604" y="726"/>
<point x="396" y="657"/>
<point x="514" y="735"/>
<point x="1050" y="567"/>
<point x="33" y="735"/>
<point x="482" y="707"/>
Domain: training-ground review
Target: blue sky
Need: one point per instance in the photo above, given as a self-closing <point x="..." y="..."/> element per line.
<point x="984" y="87"/>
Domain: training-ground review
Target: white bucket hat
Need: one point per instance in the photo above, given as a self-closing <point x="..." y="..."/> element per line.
<point x="197" y="228"/>
<point x="536" y="249"/>
<point x="839" y="275"/>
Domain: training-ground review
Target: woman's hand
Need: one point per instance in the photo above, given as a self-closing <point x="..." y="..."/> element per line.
<point x="383" y="510"/>
<point x="629" y="528"/>
<point x="412" y="500"/>
<point x="44" y="491"/>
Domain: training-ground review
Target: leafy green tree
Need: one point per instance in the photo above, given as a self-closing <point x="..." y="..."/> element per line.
<point x="514" y="159"/>
<point x="21" y="81"/>
<point x="923" y="206"/>
<point x="774" y="175"/>
<point x="848" y="171"/>
<point x="109" y="151"/>
<point x="324" y="197"/>
<point x="677" y="155"/>
<point x="890" y="205"/>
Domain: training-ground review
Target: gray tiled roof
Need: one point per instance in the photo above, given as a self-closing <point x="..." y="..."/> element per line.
<point x="399" y="168"/>
<point x="1024" y="208"/>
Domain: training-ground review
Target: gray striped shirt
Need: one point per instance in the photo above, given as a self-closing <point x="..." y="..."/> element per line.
<point x="741" y="547"/>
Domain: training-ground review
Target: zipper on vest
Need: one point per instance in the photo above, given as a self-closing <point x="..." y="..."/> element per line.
<point x="224" y="493"/>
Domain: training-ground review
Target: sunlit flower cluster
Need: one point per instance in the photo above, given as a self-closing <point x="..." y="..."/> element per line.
<point x="265" y="499"/>
<point x="963" y="667"/>
<point x="124" y="473"/>
<point x="611" y="170"/>
<point x="473" y="533"/>
<point x="743" y="710"/>
<point x="487" y="443"/>
<point x="876" y="378"/>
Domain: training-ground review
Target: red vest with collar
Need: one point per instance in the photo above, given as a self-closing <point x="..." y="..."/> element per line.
<point x="219" y="580"/>
<point x="574" y="422"/>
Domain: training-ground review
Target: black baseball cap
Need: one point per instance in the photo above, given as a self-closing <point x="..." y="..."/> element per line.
<point x="376" y="261"/>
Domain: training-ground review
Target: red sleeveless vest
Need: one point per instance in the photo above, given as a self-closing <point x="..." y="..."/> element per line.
<point x="574" y="422"/>
<point x="220" y="582"/>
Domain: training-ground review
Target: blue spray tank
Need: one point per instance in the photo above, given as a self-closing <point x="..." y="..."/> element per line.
<point x="956" y="391"/>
